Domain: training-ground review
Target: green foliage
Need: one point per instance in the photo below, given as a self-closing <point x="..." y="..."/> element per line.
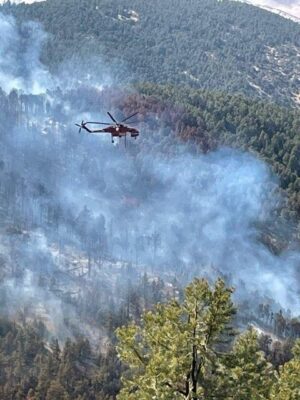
<point x="181" y="350"/>
<point x="32" y="370"/>
<point x="251" y="376"/>
<point x="211" y="119"/>
<point x="173" y="354"/>
<point x="178" y="352"/>
<point x="288" y="385"/>
<point x="219" y="45"/>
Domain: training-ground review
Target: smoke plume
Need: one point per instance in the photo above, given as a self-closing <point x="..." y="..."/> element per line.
<point x="79" y="213"/>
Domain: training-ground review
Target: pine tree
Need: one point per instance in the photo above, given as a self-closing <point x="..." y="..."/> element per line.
<point x="250" y="376"/>
<point x="172" y="355"/>
<point x="288" y="385"/>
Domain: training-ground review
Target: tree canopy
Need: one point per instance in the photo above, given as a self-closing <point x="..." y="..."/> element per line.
<point x="181" y="351"/>
<point x="216" y="45"/>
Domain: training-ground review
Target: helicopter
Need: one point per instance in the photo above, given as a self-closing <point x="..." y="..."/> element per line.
<point x="117" y="129"/>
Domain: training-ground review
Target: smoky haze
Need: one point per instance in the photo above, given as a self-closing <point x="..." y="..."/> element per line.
<point x="80" y="213"/>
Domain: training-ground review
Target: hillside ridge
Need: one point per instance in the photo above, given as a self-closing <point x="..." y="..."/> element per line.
<point x="233" y="47"/>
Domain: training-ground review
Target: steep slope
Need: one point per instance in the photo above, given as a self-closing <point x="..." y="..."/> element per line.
<point x="207" y="44"/>
<point x="269" y="131"/>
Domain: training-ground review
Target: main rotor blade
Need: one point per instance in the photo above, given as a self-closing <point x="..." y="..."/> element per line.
<point x="98" y="123"/>
<point x="127" y="118"/>
<point x="134" y="122"/>
<point x="112" y="117"/>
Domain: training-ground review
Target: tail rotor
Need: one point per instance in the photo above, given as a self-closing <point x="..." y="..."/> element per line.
<point x="80" y="126"/>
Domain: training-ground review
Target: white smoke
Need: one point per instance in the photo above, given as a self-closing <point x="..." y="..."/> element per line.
<point x="20" y="48"/>
<point x="21" y="68"/>
<point x="203" y="208"/>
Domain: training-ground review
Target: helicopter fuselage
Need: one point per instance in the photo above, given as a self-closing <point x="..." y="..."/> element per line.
<point x="120" y="130"/>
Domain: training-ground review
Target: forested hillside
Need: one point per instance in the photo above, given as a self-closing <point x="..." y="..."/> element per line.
<point x="206" y="44"/>
<point x="34" y="368"/>
<point x="217" y="119"/>
<point x="165" y="267"/>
